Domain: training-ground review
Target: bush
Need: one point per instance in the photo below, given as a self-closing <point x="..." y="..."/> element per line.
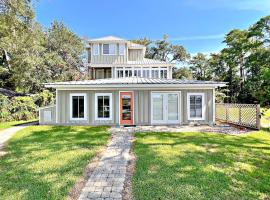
<point x="17" y="108"/>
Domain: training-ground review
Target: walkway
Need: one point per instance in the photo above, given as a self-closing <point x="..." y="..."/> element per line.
<point x="6" y="134"/>
<point x="107" y="179"/>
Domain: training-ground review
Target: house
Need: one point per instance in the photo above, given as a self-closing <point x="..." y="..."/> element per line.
<point x="128" y="89"/>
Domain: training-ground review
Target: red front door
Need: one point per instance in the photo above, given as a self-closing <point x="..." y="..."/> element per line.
<point x="126" y="108"/>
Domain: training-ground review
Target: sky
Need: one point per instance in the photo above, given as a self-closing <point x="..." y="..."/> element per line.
<point x="198" y="25"/>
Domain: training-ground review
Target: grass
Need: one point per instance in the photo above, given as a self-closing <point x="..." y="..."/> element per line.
<point x="265" y="120"/>
<point x="202" y="166"/>
<point x="44" y="162"/>
<point x="5" y="125"/>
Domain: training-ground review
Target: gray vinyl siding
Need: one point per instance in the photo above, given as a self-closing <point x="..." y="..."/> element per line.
<point x="142" y="107"/>
<point x="109" y="59"/>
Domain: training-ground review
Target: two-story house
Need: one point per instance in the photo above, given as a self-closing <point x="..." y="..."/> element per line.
<point x="125" y="88"/>
<point x="113" y="57"/>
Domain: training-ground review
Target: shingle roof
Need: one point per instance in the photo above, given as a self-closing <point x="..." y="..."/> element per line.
<point x="134" y="81"/>
<point x="11" y="93"/>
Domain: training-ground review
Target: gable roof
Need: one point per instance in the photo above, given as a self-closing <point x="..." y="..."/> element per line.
<point x="109" y="38"/>
<point x="135" y="82"/>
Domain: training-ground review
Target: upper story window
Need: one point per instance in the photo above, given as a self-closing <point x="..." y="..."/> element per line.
<point x="108" y="49"/>
<point x="155" y="72"/>
<point x="122" y="49"/>
<point x="95" y="49"/>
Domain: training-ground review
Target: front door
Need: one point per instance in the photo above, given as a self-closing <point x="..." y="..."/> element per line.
<point x="126" y="108"/>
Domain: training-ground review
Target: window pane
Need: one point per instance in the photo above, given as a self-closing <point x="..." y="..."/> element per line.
<point x="106" y="101"/>
<point x="105" y="48"/>
<point x="158" y="107"/>
<point x="81" y="107"/>
<point x="120" y="73"/>
<point x="112" y="49"/>
<point x="172" y="106"/>
<point x="100" y="106"/>
<point x="75" y="103"/>
<point x="196" y="106"/>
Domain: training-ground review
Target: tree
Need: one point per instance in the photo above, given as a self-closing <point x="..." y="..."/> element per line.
<point x="200" y="67"/>
<point x="164" y="50"/>
<point x="182" y="73"/>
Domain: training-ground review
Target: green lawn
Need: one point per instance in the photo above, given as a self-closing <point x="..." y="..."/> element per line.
<point x="202" y="166"/>
<point x="44" y="162"/>
<point x="265" y="120"/>
<point x="4" y="125"/>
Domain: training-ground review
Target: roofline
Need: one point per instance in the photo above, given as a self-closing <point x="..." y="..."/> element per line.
<point x="134" y="86"/>
<point x="131" y="65"/>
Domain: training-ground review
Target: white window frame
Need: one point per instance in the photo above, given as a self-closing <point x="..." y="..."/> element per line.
<point x="122" y="49"/>
<point x="165" y="115"/>
<point x="203" y="105"/>
<point x="71" y="105"/>
<point x="110" y="44"/>
<point x="96" y="105"/>
<point x="95" y="46"/>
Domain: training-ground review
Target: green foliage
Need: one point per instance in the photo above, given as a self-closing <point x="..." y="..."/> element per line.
<point x="182" y="73"/>
<point x="164" y="50"/>
<point x="35" y="55"/>
<point x="18" y="108"/>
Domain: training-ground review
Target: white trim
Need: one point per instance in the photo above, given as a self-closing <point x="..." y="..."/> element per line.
<point x="120" y="105"/>
<point x="95" y="54"/>
<point x="115" y="53"/>
<point x="71" y="106"/>
<point x="110" y="104"/>
<point x="165" y="104"/>
<point x="214" y="106"/>
<point x="203" y="106"/>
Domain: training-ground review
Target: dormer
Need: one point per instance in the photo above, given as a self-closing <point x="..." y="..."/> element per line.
<point x="111" y="49"/>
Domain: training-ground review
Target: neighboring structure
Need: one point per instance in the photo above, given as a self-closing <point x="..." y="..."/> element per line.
<point x="129" y="90"/>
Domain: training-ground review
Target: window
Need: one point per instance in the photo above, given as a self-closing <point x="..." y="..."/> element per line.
<point x="137" y="72"/>
<point x="78" y="106"/>
<point x="122" y="49"/>
<point x="109" y="49"/>
<point x="128" y="72"/>
<point x="163" y="73"/>
<point x="96" y="49"/>
<point x="196" y="106"/>
<point x="155" y="73"/>
<point x="146" y="73"/>
<point x="103" y="106"/>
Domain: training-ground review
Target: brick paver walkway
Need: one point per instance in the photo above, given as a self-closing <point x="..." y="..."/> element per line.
<point x="107" y="179"/>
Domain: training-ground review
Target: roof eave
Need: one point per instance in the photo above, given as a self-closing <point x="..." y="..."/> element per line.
<point x="136" y="86"/>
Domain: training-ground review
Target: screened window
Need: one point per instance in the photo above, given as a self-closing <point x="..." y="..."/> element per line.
<point x="78" y="104"/>
<point x="96" y="49"/>
<point x="103" y="106"/>
<point x="196" y="102"/>
<point x="122" y="49"/>
<point x="109" y="49"/>
<point x="128" y="72"/>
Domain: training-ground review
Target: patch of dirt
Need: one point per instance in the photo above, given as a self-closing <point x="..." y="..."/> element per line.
<point x="76" y="190"/>
<point x="127" y="191"/>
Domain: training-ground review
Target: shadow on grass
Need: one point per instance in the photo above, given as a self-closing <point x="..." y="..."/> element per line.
<point x="201" y="166"/>
<point x="44" y="162"/>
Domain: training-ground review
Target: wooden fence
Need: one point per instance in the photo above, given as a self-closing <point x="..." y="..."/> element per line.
<point x="247" y="115"/>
